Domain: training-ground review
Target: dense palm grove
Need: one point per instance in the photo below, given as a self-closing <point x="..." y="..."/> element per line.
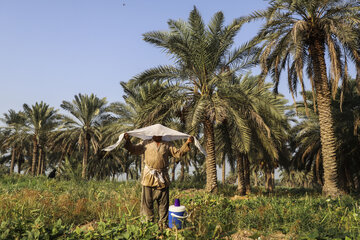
<point x="209" y="92"/>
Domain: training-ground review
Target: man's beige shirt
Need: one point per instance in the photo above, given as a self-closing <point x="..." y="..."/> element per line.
<point x="156" y="157"/>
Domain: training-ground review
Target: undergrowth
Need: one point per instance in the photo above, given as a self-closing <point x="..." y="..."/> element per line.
<point x="39" y="208"/>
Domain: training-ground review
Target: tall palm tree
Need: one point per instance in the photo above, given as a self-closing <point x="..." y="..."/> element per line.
<point x="88" y="112"/>
<point x="203" y="59"/>
<point x="299" y="33"/>
<point x="306" y="139"/>
<point x="41" y="119"/>
<point x="16" y="136"/>
<point x="264" y="114"/>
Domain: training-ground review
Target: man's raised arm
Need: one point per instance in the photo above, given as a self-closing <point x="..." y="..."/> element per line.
<point x="135" y="149"/>
<point x="177" y="153"/>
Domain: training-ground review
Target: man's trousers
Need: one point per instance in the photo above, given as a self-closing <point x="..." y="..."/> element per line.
<point x="161" y="196"/>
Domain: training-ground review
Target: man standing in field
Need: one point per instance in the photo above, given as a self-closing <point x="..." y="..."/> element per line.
<point x="155" y="177"/>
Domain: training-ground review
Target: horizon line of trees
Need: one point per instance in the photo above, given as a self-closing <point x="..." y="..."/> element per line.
<point x="60" y="141"/>
<point x="206" y="93"/>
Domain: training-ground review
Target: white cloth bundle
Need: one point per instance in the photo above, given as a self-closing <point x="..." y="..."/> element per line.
<point x="167" y="134"/>
<point x="156" y="173"/>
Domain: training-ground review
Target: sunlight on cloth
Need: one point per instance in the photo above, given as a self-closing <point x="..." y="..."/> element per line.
<point x="167" y="134"/>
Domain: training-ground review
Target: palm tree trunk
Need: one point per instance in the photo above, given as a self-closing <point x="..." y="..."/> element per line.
<point x="266" y="179"/>
<point x="61" y="160"/>
<point x="140" y="165"/>
<point x="34" y="156"/>
<point x="20" y="159"/>
<point x="247" y="175"/>
<point x="256" y="179"/>
<point x="12" y="161"/>
<point x="85" y="157"/>
<point x="241" y="179"/>
<point x="39" y="161"/>
<point x="269" y="182"/>
<point x="349" y="179"/>
<point x="230" y="159"/>
<point x="356" y="182"/>
<point x="327" y="136"/>
<point x="136" y="164"/>
<point x="43" y="157"/>
<point x="211" y="177"/>
<point x="173" y="172"/>
<point x="182" y="171"/>
<point x="195" y="164"/>
<point x="223" y="168"/>
<point x="358" y="73"/>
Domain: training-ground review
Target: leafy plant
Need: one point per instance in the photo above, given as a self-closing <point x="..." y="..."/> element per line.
<point x="41" y="208"/>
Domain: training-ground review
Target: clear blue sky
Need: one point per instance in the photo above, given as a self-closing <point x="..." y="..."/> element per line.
<point x="53" y="50"/>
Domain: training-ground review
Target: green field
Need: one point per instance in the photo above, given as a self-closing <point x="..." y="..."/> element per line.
<point x="38" y="208"/>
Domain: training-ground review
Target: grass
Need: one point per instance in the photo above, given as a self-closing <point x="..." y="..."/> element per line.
<point x="38" y="208"/>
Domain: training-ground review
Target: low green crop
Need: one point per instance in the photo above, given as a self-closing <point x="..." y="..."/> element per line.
<point x="38" y="208"/>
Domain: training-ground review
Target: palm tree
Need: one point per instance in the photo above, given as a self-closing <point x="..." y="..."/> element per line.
<point x="298" y="33"/>
<point x="103" y="164"/>
<point x="41" y="119"/>
<point x="348" y="135"/>
<point x="141" y="108"/>
<point x="15" y="137"/>
<point x="307" y="148"/>
<point x="269" y="143"/>
<point x="62" y="144"/>
<point x="223" y="148"/>
<point x="264" y="116"/>
<point x="296" y="178"/>
<point x="5" y="157"/>
<point x="203" y="59"/>
<point x="306" y="139"/>
<point x="88" y="112"/>
<point x="305" y="142"/>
